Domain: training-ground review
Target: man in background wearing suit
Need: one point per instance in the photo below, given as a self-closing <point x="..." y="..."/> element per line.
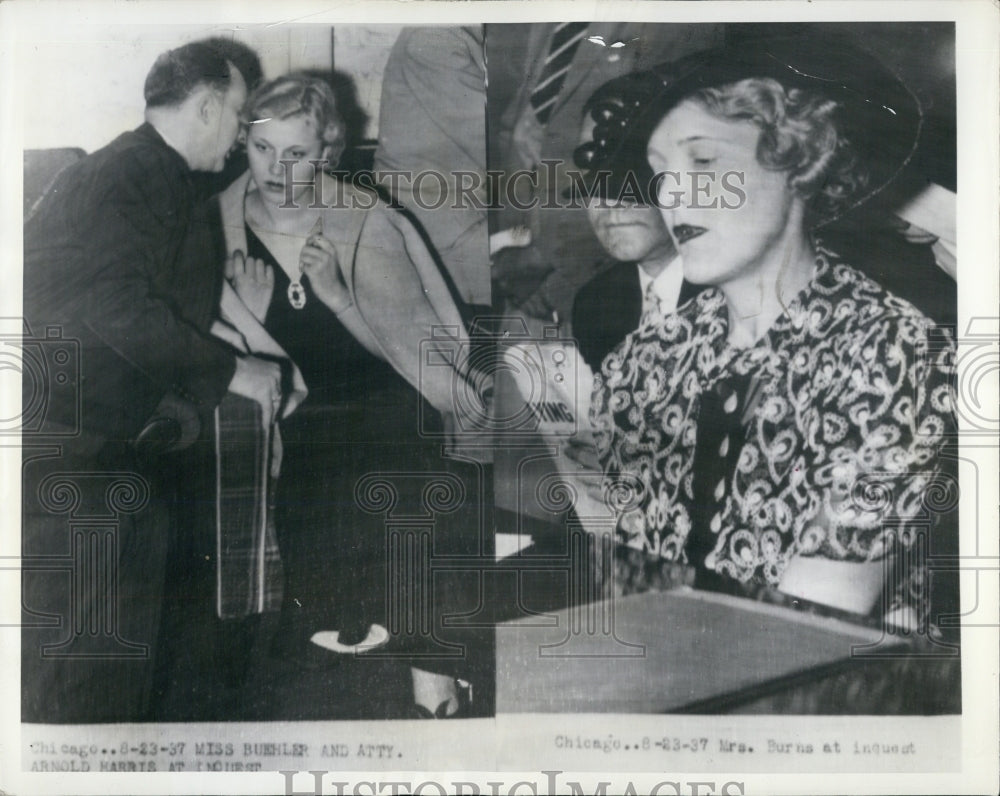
<point x="432" y="118"/>
<point x="647" y="275"/>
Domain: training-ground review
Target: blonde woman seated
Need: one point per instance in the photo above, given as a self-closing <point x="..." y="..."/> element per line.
<point x="786" y="424"/>
<point x="346" y="286"/>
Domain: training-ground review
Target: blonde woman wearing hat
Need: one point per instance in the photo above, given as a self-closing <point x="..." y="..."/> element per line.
<point x="786" y="424"/>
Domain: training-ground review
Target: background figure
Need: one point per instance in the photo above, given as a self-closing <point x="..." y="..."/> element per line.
<point x="101" y="265"/>
<point x="540" y="77"/>
<point x="433" y="118"/>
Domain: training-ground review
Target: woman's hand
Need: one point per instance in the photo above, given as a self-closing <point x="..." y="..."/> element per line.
<point x="253" y="282"/>
<point x="581" y="450"/>
<point x="320" y="263"/>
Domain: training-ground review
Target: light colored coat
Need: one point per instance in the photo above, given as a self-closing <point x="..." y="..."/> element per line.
<point x="401" y="301"/>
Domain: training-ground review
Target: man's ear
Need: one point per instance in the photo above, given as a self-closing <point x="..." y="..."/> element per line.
<point x="205" y="102"/>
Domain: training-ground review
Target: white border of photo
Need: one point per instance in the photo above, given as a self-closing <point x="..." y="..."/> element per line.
<point x="960" y="753"/>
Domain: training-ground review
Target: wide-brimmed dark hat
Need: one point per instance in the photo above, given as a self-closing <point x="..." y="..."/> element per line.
<point x="613" y="157"/>
<point x="876" y="112"/>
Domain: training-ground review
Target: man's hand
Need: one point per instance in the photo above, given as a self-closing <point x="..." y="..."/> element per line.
<point x="537" y="306"/>
<point x="260" y="381"/>
<point x="518" y="271"/>
<point x="511" y="238"/>
<point x="253" y="282"/>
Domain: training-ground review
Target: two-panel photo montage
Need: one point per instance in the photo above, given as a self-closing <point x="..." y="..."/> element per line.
<point x="387" y="372"/>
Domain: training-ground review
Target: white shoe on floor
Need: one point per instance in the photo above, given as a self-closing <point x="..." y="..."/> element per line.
<point x="377" y="637"/>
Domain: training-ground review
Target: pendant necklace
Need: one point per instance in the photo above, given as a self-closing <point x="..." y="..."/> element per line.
<point x="297" y="293"/>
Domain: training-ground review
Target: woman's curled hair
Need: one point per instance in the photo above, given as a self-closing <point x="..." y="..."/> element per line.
<point x="800" y="133"/>
<point x="299" y="95"/>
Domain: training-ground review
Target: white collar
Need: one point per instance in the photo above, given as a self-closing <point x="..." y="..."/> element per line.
<point x="666" y="285"/>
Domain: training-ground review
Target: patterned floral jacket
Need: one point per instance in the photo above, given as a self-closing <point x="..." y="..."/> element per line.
<point x="840" y="459"/>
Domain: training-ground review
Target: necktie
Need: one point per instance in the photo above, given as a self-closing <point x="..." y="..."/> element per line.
<point x="566" y="39"/>
<point x="651" y="301"/>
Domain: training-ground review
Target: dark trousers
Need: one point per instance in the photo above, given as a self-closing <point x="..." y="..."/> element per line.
<point x="95" y="533"/>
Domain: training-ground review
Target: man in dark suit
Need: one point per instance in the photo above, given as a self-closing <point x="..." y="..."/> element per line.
<point x="610" y="306"/>
<point x="103" y="277"/>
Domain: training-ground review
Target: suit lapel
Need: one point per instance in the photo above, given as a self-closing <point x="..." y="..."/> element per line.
<point x="632" y="290"/>
<point x="625" y="312"/>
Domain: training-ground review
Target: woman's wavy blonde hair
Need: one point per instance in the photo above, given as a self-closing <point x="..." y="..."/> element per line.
<point x="299" y="95"/>
<point x="799" y="134"/>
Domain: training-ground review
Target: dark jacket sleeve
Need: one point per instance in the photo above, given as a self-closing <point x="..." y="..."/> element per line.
<point x="605" y="310"/>
<point x="582" y="320"/>
<point x="133" y="301"/>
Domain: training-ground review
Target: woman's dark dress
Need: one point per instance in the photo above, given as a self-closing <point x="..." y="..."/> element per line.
<point x="360" y="417"/>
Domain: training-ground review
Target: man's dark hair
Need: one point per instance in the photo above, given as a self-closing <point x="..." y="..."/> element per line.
<point x="242" y="57"/>
<point x="178" y="72"/>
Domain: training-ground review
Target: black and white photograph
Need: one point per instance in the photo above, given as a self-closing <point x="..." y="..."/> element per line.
<point x="793" y="462"/>
<point x="445" y="388"/>
<point x="250" y="399"/>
